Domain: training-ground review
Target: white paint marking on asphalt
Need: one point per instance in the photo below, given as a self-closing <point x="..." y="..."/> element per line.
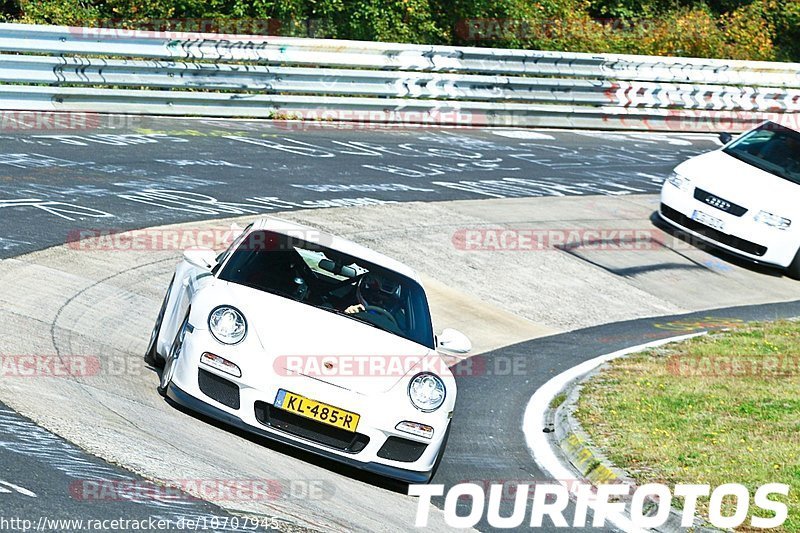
<point x="534" y="419"/>
<point x="5" y="486"/>
<point x="25" y="437"/>
<point x="522" y="134"/>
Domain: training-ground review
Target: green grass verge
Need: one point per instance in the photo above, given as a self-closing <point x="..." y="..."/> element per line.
<point x="722" y="408"/>
<point x="557" y="400"/>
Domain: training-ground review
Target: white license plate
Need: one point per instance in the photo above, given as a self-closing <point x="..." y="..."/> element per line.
<point x="708" y="220"/>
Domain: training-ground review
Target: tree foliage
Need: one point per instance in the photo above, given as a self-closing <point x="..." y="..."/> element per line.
<point x="738" y="29"/>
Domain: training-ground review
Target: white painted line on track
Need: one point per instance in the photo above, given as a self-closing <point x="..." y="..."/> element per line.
<point x="533" y="420"/>
<point x="7" y="487"/>
<point x="522" y="134"/>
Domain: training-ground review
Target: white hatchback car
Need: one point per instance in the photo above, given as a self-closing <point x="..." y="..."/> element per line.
<point x="743" y="198"/>
<point x="314" y="341"/>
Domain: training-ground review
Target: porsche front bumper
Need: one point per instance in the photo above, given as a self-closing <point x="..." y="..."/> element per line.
<point x="377" y="445"/>
<point x="199" y="406"/>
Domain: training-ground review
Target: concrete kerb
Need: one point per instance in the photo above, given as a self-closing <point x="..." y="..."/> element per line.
<point x="570" y="453"/>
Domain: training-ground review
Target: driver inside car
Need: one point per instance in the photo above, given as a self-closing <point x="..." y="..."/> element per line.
<point x="374" y="293"/>
<point x="783" y="151"/>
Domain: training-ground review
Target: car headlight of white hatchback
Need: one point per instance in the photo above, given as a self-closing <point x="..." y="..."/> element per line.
<point x="427" y="391"/>
<point x="773" y="220"/>
<point x="680" y="181"/>
<point x="227" y="324"/>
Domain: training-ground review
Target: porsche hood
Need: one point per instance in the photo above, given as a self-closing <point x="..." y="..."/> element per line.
<point x="301" y="339"/>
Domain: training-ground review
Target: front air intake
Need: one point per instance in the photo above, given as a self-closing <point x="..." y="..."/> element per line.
<point x="219" y="389"/>
<point x="403" y="450"/>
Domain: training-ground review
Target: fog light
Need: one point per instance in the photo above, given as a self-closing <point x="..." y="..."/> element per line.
<point x="420" y="430"/>
<point x="221" y="364"/>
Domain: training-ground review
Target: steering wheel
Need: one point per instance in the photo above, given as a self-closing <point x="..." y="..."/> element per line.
<point x="382" y="311"/>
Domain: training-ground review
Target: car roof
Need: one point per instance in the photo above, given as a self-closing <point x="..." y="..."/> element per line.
<point x="307" y="233"/>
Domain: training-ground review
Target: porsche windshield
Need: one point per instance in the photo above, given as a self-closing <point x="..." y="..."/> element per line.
<point x="772" y="148"/>
<point x="318" y="276"/>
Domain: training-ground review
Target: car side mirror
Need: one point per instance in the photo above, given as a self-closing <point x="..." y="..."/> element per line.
<point x="725" y="137"/>
<point x="453" y="341"/>
<point x="201" y="258"/>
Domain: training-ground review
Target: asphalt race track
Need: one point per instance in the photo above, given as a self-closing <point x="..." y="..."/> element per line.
<point x="488" y="443"/>
<point x="145" y="172"/>
<point x="41" y="475"/>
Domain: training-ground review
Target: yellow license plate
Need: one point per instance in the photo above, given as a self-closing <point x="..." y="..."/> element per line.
<point x="321" y="412"/>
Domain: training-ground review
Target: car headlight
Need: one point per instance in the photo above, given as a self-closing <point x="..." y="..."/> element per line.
<point x="427" y="391"/>
<point x="680" y="181"/>
<point x="227" y="324"/>
<point x="773" y="220"/>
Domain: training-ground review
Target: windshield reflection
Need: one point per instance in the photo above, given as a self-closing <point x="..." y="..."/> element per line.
<point x="772" y="148"/>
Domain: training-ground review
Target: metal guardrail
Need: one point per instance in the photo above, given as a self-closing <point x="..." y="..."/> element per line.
<point x="55" y="68"/>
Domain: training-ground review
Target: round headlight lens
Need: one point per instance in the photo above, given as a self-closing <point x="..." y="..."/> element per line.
<point x="227" y="324"/>
<point x="427" y="391"/>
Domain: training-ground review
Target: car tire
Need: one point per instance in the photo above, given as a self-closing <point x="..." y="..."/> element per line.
<point x="440" y="455"/>
<point x="793" y="270"/>
<point x="151" y="356"/>
<point x="172" y="358"/>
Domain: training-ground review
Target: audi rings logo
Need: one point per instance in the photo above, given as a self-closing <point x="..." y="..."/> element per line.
<point x="719" y="203"/>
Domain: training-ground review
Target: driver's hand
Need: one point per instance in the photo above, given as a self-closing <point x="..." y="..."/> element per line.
<point x="353" y="309"/>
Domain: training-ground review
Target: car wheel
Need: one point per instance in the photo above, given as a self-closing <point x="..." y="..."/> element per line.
<point x="172" y="357"/>
<point x="793" y="270"/>
<point x="440" y="455"/>
<point x="151" y="356"/>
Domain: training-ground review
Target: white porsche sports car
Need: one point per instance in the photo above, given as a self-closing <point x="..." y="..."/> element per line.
<point x="742" y="198"/>
<point x="313" y="341"/>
